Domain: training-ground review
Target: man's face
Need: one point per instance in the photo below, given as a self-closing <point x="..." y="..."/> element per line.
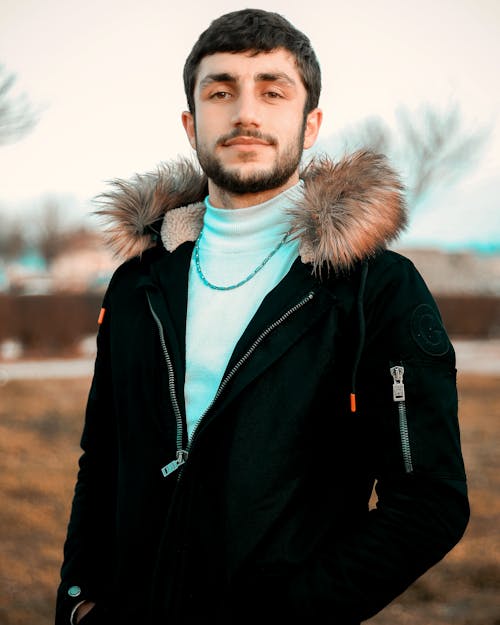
<point x="249" y="128"/>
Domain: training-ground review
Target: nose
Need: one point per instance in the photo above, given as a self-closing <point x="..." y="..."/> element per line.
<point x="246" y="110"/>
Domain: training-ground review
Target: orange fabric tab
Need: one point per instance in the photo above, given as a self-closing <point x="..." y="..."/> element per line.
<point x="101" y="316"/>
<point x="353" y="402"/>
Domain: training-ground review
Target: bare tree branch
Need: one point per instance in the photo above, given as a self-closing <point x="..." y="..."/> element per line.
<point x="12" y="238"/>
<point x="431" y="147"/>
<point x="436" y="148"/>
<point x="371" y="134"/>
<point x="51" y="234"/>
<point x="17" y="116"/>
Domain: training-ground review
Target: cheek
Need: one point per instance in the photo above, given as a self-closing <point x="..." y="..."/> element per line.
<point x="290" y="123"/>
<point x="205" y="134"/>
<point x="291" y="137"/>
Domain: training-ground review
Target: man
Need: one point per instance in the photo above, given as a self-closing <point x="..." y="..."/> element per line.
<point x="262" y="362"/>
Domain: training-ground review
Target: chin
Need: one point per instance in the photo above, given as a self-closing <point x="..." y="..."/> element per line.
<point x="249" y="170"/>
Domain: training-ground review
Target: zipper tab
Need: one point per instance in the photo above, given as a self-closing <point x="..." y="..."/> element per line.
<point x="398" y="388"/>
<point x="180" y="459"/>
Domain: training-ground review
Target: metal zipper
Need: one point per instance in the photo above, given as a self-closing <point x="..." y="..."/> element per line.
<point x="398" y="395"/>
<point x="181" y="454"/>
<point x="246" y="356"/>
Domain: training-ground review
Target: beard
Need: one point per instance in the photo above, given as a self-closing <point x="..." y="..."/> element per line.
<point x="236" y="183"/>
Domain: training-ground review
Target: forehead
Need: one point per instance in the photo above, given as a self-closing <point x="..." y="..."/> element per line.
<point x="244" y="65"/>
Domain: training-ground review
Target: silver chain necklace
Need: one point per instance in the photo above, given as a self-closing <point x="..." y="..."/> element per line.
<point x="241" y="282"/>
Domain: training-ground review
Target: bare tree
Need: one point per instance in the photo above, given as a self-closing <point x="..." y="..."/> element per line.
<point x="17" y="116"/>
<point x="50" y="234"/>
<point x="12" y="238"/>
<point x="430" y="147"/>
<point x="371" y="134"/>
<point x="437" y="148"/>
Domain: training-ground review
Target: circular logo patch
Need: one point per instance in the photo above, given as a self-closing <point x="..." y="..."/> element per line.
<point x="428" y="331"/>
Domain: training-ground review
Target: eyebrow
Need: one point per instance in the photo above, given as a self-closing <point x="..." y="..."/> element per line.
<point x="262" y="77"/>
<point x="222" y="77"/>
<point x="275" y="77"/>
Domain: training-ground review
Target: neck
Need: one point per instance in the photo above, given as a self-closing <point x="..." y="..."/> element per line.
<point x="220" y="198"/>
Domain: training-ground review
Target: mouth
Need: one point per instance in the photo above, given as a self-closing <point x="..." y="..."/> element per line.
<point x="245" y="141"/>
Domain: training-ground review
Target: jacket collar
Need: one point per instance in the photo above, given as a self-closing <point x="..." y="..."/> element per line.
<point x="350" y="209"/>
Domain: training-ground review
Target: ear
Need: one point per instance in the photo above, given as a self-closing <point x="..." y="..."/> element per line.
<point x="189" y="126"/>
<point x="313" y="124"/>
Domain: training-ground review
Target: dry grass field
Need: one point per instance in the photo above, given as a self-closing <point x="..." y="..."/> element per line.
<point x="40" y="424"/>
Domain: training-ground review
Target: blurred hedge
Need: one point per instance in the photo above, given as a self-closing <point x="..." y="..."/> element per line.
<point x="49" y="325"/>
<point x="470" y="316"/>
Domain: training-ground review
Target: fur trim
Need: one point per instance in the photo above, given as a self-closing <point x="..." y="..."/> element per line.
<point x="349" y="210"/>
<point x="132" y="209"/>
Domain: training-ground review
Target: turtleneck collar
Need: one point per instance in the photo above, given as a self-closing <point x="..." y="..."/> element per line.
<point x="252" y="227"/>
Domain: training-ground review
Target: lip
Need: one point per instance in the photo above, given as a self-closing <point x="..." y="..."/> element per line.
<point x="245" y="141"/>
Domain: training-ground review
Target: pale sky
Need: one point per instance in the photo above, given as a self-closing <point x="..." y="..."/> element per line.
<point x="108" y="78"/>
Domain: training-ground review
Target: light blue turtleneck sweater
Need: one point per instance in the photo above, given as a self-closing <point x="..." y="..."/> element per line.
<point x="234" y="242"/>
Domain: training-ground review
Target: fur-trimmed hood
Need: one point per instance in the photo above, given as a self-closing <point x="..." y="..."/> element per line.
<point x="349" y="210"/>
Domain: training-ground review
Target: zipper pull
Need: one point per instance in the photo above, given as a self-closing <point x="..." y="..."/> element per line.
<point x="398" y="388"/>
<point x="180" y="459"/>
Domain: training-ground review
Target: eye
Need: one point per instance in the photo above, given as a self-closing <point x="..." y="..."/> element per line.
<point x="220" y="95"/>
<point x="273" y="95"/>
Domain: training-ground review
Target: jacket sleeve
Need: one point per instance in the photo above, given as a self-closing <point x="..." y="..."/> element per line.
<point x="89" y="544"/>
<point x="422" y="509"/>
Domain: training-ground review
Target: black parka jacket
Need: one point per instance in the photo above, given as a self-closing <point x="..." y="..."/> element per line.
<point x="264" y="516"/>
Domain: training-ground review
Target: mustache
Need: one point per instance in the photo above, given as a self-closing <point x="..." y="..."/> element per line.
<point x="239" y="132"/>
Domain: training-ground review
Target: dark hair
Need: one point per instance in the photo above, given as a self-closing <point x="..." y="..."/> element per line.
<point x="258" y="31"/>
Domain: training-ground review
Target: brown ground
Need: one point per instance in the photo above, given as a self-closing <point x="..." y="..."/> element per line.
<point x="40" y="425"/>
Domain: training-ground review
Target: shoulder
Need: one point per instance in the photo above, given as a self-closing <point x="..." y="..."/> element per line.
<point x="400" y="307"/>
<point x="388" y="260"/>
<point x="127" y="274"/>
<point x="383" y="272"/>
<point x="393" y="273"/>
